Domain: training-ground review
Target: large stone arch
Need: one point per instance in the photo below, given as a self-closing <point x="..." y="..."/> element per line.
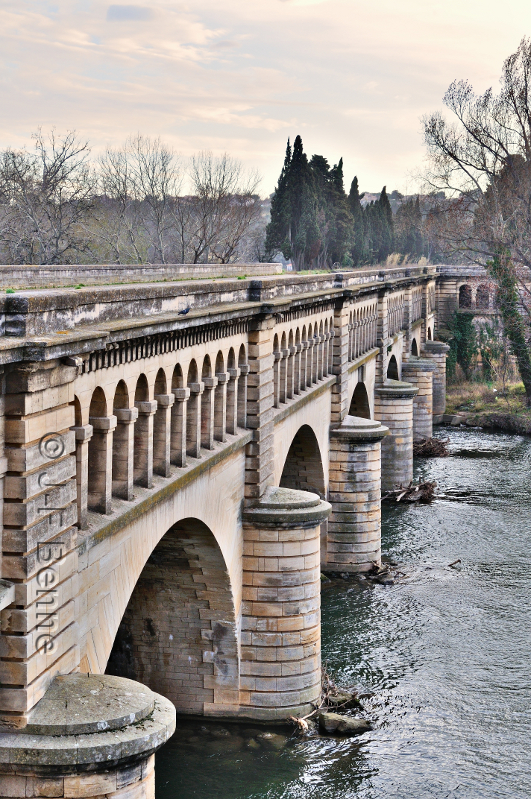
<point x="179" y="632"/>
<point x="359" y="404"/>
<point x="303" y="466"/>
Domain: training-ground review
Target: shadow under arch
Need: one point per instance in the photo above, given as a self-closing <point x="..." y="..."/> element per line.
<point x="414" y="348"/>
<point x="392" y="369"/>
<point x="303" y="468"/>
<point x="178" y="634"/>
<point x="359" y="405"/>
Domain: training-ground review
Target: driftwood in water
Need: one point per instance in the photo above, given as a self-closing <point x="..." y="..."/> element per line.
<point x="431" y="448"/>
<point x="421" y="492"/>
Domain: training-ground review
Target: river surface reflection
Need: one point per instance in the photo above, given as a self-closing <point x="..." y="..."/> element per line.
<point x="445" y="653"/>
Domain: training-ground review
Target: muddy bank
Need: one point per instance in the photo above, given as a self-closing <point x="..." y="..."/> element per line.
<point x="506" y="422"/>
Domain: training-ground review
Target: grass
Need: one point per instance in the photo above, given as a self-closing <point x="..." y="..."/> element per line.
<point x="478" y="398"/>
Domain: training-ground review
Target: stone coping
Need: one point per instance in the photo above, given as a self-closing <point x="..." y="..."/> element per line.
<point x="435" y="346"/>
<point x="288" y="507"/>
<point x="89" y="752"/>
<point x="419" y="365"/>
<point x="7" y="593"/>
<point x="77" y="704"/>
<point x="397" y="389"/>
<point x="356" y="428"/>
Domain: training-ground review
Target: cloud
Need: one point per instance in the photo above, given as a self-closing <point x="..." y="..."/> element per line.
<point x="128" y="13"/>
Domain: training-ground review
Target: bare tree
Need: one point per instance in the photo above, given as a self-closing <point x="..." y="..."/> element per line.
<point x="45" y="196"/>
<point x="483" y="163"/>
<point x="139" y="184"/>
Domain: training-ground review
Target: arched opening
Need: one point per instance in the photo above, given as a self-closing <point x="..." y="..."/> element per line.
<point x="297" y="378"/>
<point x="99" y="455"/>
<point x="178" y="418"/>
<point x="207" y="405"/>
<point x="143" y="442"/>
<point x="220" y="400"/>
<point x="291" y="364"/>
<point x="122" y="444"/>
<point x="178" y="633"/>
<point x="359" y="405"/>
<point x="392" y="369"/>
<point x="242" y="387"/>
<point x="465" y="296"/>
<point x="193" y="416"/>
<point x="304" y="355"/>
<point x="232" y="393"/>
<point x="303" y="469"/>
<point x="283" y="390"/>
<point x="161" y="427"/>
<point x="429" y="334"/>
<point x="482" y="296"/>
<point x="414" y="348"/>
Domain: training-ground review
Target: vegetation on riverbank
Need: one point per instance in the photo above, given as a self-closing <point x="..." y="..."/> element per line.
<point x="488" y="405"/>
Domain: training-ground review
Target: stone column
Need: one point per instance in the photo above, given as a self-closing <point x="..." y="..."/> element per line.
<point x="354" y="527"/>
<point x="123" y="453"/>
<point x="220" y="407"/>
<point x="419" y="373"/>
<point x="83" y="434"/>
<point x="242" y="395"/>
<point x="291" y="371"/>
<point x="437" y="351"/>
<point x="393" y="407"/>
<point x="297" y="377"/>
<point x="178" y="426"/>
<point x="143" y="460"/>
<point x="259" y="452"/>
<point x="340" y="343"/>
<point x="305" y="350"/>
<point x="207" y="412"/>
<point x="281" y="634"/>
<point x="117" y="763"/>
<point x="232" y="401"/>
<point x="100" y="463"/>
<point x="283" y="391"/>
<point x="193" y="420"/>
<point x="162" y="434"/>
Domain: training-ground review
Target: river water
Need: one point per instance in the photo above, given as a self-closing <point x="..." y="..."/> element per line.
<point x="445" y="653"/>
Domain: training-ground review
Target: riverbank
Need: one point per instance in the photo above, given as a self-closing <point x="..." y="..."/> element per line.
<point x="488" y="406"/>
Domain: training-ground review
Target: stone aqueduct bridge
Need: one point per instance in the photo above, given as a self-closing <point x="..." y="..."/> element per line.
<point x="173" y="484"/>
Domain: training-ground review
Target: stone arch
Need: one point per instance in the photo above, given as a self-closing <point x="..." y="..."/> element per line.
<point x="193" y="414"/>
<point x="359" y="405"/>
<point x="161" y="426"/>
<point x="78" y="416"/>
<point x="98" y="454"/>
<point x="304" y="358"/>
<point x="143" y="436"/>
<point x="207" y="405"/>
<point x="465" y="296"/>
<point x="482" y="296"/>
<point x="178" y="418"/>
<point x="392" y="369"/>
<point x="122" y="443"/>
<point x="220" y="399"/>
<point x="430" y="335"/>
<point x="242" y="386"/>
<point x="303" y="467"/>
<point x="232" y="390"/>
<point x="178" y="634"/>
<point x="414" y="346"/>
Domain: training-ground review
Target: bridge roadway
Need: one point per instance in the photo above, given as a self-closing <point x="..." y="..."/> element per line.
<point x="173" y="484"/>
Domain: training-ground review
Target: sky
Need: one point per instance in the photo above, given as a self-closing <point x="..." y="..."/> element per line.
<point x="352" y="77"/>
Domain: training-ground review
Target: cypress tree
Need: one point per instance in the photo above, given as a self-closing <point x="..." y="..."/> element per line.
<point x="358" y="249"/>
<point x="278" y="229"/>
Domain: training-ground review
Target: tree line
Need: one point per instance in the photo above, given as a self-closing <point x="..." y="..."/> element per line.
<point x="58" y="205"/>
<point x="316" y="224"/>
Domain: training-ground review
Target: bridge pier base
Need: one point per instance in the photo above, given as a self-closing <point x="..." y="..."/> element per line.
<point x="419" y="373"/>
<point x="91" y="736"/>
<point x="394" y="408"/>
<point x="280" y="673"/>
<point x="354" y="527"/>
<point x="437" y="351"/>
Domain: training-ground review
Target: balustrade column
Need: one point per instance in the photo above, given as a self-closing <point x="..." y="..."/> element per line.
<point x="178" y="426"/>
<point x="193" y="420"/>
<point x="143" y="447"/>
<point x="393" y="407"/>
<point x="220" y="407"/>
<point x="100" y="463"/>
<point x="281" y="635"/>
<point x="207" y="412"/>
<point x="353" y="541"/>
<point x="232" y="401"/>
<point x="83" y="434"/>
<point x="437" y="351"/>
<point x="162" y="434"/>
<point x="123" y="453"/>
<point x="419" y="373"/>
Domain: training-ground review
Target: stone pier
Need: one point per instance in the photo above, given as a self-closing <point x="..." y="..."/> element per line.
<point x="419" y="372"/>
<point x="393" y="407"/>
<point x="437" y="351"/>
<point x="354" y="527"/>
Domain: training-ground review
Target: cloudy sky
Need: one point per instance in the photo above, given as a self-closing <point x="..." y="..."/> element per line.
<point x="353" y="77"/>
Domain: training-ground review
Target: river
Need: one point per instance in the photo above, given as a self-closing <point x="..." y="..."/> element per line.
<point x="445" y="653"/>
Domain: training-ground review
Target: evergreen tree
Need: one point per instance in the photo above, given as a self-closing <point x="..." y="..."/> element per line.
<point x="278" y="229"/>
<point x="358" y="250"/>
<point x="386" y="228"/>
